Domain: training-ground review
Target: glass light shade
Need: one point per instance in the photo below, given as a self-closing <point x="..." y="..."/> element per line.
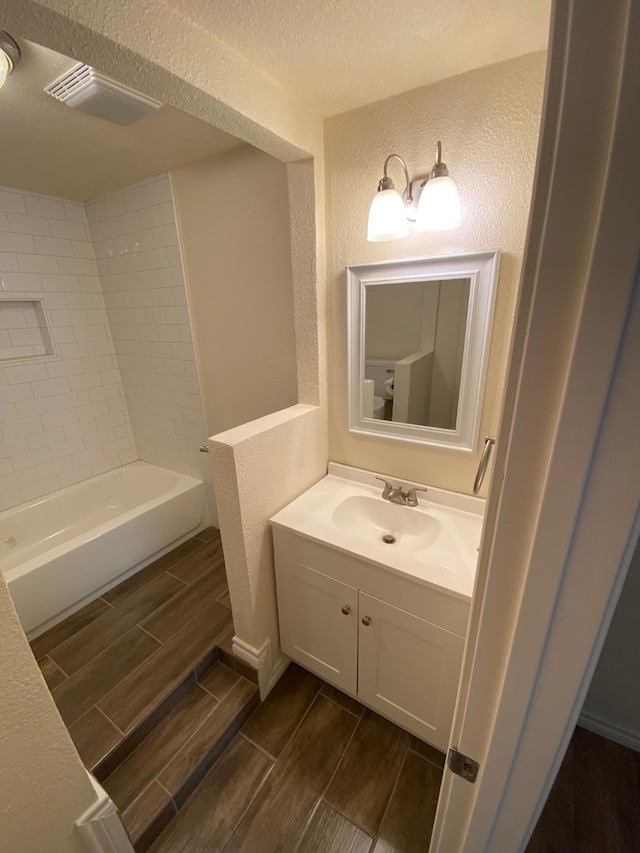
<point x="387" y="217"/>
<point x="5" y="67"/>
<point x="439" y="206"/>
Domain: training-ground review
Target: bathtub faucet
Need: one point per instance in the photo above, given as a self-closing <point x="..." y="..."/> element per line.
<point x="397" y="495"/>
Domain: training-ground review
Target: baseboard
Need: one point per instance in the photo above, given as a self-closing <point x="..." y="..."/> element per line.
<point x="262" y="660"/>
<point x="100" y="826"/>
<point x="601" y="727"/>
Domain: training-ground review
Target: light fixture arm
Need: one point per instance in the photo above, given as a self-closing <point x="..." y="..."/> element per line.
<point x="9" y="46"/>
<point x="439" y="169"/>
<point x="387" y="184"/>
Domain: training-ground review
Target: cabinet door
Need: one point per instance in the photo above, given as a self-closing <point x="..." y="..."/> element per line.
<point x="408" y="669"/>
<point x="318" y="622"/>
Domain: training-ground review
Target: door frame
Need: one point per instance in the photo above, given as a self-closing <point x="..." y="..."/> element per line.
<point x="567" y="463"/>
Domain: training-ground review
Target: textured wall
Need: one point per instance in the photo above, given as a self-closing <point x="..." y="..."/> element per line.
<point x="44" y="788"/>
<point x="241" y="301"/>
<point x="62" y="419"/>
<point x="136" y="244"/>
<point x="488" y="122"/>
<point x="259" y="468"/>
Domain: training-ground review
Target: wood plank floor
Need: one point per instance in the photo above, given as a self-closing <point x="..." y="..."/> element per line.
<point x="312" y="771"/>
<point x="594" y="805"/>
<point x="111" y="663"/>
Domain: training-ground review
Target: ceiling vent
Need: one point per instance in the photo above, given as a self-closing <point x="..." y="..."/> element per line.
<point x="84" y="88"/>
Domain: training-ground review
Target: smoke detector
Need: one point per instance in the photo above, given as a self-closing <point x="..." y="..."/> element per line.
<point x="9" y="56"/>
<point x="84" y="88"/>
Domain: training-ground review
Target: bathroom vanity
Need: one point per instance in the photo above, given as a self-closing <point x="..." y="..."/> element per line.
<point x="374" y="597"/>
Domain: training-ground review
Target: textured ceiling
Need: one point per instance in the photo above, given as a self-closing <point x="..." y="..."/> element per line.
<point x="49" y="148"/>
<point x="341" y="54"/>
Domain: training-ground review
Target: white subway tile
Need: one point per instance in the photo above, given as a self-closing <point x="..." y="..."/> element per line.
<point x="78" y="266"/>
<point x="21" y="224"/>
<point x="14" y="393"/>
<point x="13" y="446"/>
<point x="56" y="369"/>
<point x="26" y="373"/>
<point x="38" y="263"/>
<point x="54" y="246"/>
<point x="16" y="243"/>
<point x="72" y="400"/>
<point x="93" y="410"/>
<point x="30" y="459"/>
<point x="22" y="281"/>
<point x="58" y="419"/>
<point x="8" y="412"/>
<point x="40" y="488"/>
<point x="68" y="230"/>
<point x="20" y="427"/>
<point x="45" y="438"/>
<point x="80" y="429"/>
<point x="62" y="283"/>
<point x="67" y="448"/>
<point x="9" y="262"/>
<point x="53" y="468"/>
<point x="49" y="387"/>
<point x="77" y="475"/>
<point x="75" y="211"/>
<point x="18" y="479"/>
<point x="12" y="202"/>
<point x="38" y="205"/>
<point x="37" y="406"/>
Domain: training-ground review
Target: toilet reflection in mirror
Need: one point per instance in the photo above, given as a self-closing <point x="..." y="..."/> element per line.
<point x="414" y="348"/>
<point x="419" y="332"/>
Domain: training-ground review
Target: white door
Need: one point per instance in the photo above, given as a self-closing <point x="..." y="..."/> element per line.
<point x="408" y="669"/>
<point x="319" y="623"/>
<point x="562" y="517"/>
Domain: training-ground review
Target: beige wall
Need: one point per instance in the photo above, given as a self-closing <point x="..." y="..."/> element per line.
<point x="488" y="122"/>
<point x="44" y="788"/>
<point x="612" y="705"/>
<point x="233" y="222"/>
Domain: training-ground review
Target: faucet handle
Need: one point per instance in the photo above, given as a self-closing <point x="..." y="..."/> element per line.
<point x="411" y="494"/>
<point x="387" y="486"/>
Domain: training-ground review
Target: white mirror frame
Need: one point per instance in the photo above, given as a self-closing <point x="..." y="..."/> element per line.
<point x="482" y="270"/>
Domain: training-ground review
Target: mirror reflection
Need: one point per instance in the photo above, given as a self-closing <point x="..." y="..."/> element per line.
<point x="414" y="345"/>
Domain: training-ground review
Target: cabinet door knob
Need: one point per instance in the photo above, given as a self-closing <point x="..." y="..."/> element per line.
<point x="366" y="620"/>
<point x="346" y="610"/>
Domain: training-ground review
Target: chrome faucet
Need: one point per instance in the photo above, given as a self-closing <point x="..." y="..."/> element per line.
<point x="397" y="495"/>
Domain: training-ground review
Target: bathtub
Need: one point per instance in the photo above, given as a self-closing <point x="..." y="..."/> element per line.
<point x="64" y="549"/>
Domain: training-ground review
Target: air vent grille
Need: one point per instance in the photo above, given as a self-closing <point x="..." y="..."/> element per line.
<point x="86" y="89"/>
<point x="65" y="86"/>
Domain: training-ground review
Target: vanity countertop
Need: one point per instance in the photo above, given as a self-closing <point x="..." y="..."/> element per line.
<point x="436" y="543"/>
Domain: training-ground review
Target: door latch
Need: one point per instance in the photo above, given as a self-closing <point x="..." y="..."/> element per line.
<point x="462" y="765"/>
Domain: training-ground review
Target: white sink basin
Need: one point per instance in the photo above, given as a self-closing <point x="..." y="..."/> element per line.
<point x="371" y="519"/>
<point x="435" y="542"/>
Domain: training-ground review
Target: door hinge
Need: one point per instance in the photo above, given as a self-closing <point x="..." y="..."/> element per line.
<point x="462" y="765"/>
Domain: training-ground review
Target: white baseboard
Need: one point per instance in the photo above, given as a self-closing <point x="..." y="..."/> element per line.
<point x="100" y="826"/>
<point x="261" y="659"/>
<point x="601" y="727"/>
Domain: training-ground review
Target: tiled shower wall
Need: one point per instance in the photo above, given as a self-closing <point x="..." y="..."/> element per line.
<point x="122" y="384"/>
<point x="136" y="243"/>
<point x="62" y="419"/>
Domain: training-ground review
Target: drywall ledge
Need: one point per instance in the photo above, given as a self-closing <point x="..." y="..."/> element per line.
<point x="258" y="468"/>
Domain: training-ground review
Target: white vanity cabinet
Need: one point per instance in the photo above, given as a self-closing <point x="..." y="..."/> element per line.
<point x="392" y="642"/>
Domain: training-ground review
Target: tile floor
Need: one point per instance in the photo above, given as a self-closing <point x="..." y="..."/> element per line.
<point x="312" y="771"/>
<point x="112" y="662"/>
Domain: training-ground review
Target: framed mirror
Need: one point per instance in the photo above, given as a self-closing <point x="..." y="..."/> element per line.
<point x="419" y="332"/>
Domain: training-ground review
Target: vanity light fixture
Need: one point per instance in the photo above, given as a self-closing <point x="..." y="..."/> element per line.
<point x="9" y="56"/>
<point x="438" y="203"/>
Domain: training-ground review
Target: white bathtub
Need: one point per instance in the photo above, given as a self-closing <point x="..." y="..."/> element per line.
<point x="67" y="547"/>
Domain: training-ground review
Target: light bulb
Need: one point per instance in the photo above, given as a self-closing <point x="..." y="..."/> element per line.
<point x="5" y="67"/>
<point x="387" y="217"/>
<point x="439" y="206"/>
